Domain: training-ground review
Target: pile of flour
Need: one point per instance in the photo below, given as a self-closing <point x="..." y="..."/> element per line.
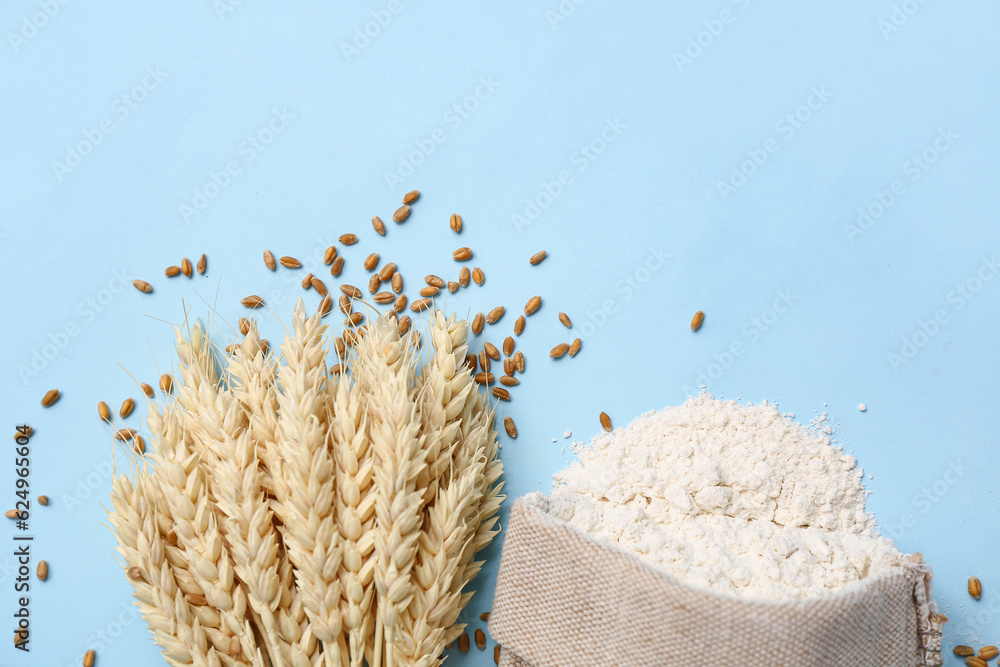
<point x="734" y="498"/>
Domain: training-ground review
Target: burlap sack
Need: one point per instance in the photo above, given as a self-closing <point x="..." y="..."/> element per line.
<point x="565" y="600"/>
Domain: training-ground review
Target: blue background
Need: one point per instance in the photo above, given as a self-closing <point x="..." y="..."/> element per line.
<point x="598" y="131"/>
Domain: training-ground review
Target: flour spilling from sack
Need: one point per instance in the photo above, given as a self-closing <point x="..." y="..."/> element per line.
<point x="737" y="499"/>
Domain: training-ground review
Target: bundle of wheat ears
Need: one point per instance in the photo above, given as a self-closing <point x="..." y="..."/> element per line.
<point x="285" y="515"/>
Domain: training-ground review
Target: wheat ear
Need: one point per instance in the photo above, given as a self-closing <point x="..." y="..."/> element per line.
<point x="273" y="595"/>
<point x="178" y="633"/>
<point x="448" y="389"/>
<point x="185" y="474"/>
<point x="399" y="461"/>
<point x="251" y="537"/>
<point x="307" y="508"/>
<point x="167" y="427"/>
<point x="353" y="456"/>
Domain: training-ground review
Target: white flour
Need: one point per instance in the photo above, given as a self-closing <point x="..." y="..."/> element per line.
<point x="733" y="498"/>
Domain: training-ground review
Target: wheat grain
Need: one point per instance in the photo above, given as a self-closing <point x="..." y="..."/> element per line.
<point x="401" y="214"/>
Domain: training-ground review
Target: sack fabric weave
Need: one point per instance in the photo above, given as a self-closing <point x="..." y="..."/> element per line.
<point x="566" y="600"/>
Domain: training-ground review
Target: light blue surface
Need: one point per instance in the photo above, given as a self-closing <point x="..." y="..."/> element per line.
<point x="886" y="82"/>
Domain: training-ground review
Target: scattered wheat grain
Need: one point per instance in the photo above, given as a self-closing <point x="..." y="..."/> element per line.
<point x="534" y="303"/>
<point x="420" y="304"/>
<point x="975" y="587"/>
<point x="252" y="301"/>
<point x="605" y="421"/>
<point x="494" y="315"/>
